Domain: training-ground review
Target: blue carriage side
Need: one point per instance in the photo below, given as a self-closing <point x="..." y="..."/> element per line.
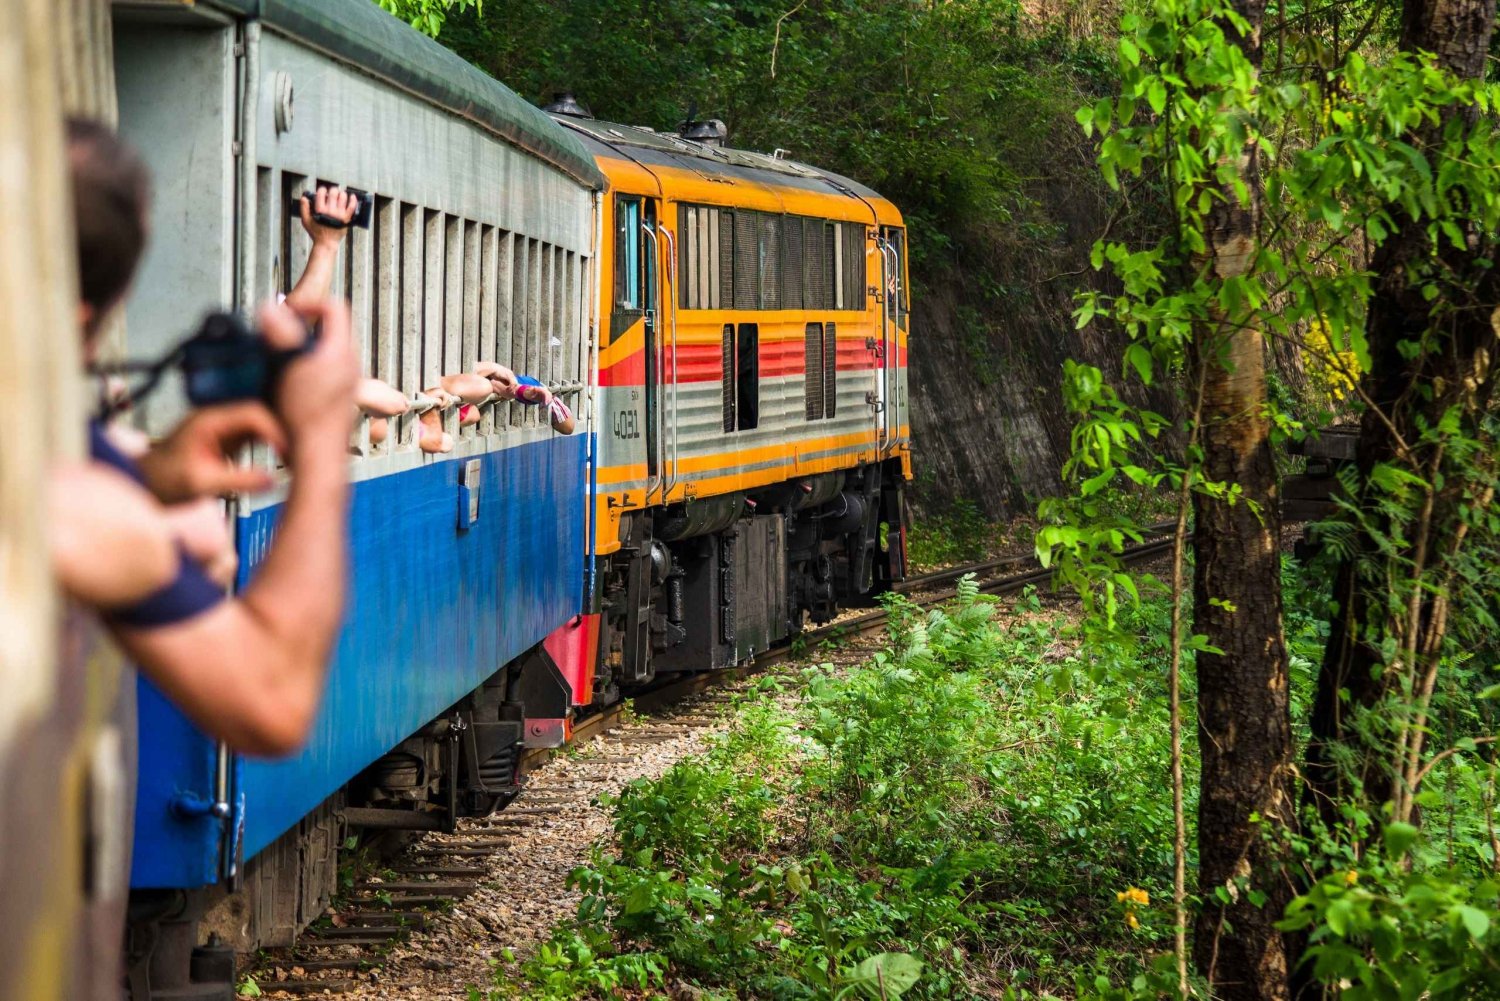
<point x="462" y="563"/>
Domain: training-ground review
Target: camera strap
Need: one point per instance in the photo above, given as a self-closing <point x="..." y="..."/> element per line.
<point x="152" y="372"/>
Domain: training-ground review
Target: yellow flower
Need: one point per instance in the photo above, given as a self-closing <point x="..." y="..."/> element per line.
<point x="1331" y="372"/>
<point x="1131" y="920"/>
<point x="1351" y="877"/>
<point x="1134" y="895"/>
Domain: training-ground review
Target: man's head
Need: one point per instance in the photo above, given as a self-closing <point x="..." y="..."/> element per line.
<point x="111" y="197"/>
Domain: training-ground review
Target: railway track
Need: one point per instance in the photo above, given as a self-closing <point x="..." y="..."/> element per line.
<point x="438" y="878"/>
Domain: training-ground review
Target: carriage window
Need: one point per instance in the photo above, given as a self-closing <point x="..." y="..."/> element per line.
<point x="628" y="253"/>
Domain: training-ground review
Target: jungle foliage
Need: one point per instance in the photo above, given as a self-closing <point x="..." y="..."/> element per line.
<point x="1331" y="178"/>
<point x="953" y="110"/>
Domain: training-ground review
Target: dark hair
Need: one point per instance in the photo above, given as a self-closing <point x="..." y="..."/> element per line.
<point x="111" y="190"/>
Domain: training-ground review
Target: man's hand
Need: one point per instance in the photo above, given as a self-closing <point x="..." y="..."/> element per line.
<point x="502" y="380"/>
<point x="335" y="203"/>
<point x="197" y="459"/>
<point x="203" y="534"/>
<point x="315" y="400"/>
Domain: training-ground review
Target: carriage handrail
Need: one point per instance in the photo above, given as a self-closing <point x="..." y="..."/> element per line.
<point x="659" y="476"/>
<point x="672" y="282"/>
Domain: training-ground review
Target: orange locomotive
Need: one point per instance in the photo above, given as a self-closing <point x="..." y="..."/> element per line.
<point x="749" y="398"/>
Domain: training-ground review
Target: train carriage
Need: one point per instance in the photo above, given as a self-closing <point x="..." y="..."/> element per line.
<point x="480" y="248"/>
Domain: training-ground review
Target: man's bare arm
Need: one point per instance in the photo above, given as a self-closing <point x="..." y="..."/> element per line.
<point x="250" y="671"/>
<point x="109" y="545"/>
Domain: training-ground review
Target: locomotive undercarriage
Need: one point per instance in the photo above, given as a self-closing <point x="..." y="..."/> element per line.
<point x="709" y="584"/>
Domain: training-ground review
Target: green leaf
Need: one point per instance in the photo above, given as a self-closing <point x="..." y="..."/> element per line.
<point x="1476" y="921"/>
<point x="1398" y="838"/>
<point x="1139" y="357"/>
<point x="1156" y="95"/>
<point x="1129" y="52"/>
<point x="890" y="974"/>
<point x="1338" y="914"/>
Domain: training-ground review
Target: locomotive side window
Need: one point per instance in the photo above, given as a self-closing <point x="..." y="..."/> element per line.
<point x="896" y="282"/>
<point x="747" y="377"/>
<point x="628" y="278"/>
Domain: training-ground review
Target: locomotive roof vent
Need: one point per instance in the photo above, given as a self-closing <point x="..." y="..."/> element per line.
<point x="564" y="103"/>
<point x="709" y="132"/>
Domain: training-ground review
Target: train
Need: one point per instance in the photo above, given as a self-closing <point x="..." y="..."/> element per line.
<point x="730" y="329"/>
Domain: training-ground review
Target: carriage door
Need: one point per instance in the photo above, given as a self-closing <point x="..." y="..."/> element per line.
<point x="893" y="319"/>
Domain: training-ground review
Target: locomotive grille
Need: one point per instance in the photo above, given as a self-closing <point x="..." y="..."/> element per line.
<point x="854" y="267"/>
<point x="770" y="261"/>
<point x="830" y="370"/>
<point x="813" y="379"/>
<point x="725" y="230"/>
<point x="818" y="264"/>
<point x="746" y="260"/>
<point x="729" y="381"/>
<point x="792" y="263"/>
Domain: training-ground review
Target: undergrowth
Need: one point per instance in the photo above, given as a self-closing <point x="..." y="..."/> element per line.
<point x="971" y="813"/>
<point x="982" y="810"/>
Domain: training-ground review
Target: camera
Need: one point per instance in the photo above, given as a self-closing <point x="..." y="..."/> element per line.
<point x="364" y="207"/>
<point x="225" y="361"/>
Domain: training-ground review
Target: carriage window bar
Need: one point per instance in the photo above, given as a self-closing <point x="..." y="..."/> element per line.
<point x="432" y="294"/>
<point x="747" y="260"/>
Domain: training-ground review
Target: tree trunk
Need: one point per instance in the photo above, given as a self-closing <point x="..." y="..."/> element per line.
<point x="1458" y="32"/>
<point x="1244" y="725"/>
